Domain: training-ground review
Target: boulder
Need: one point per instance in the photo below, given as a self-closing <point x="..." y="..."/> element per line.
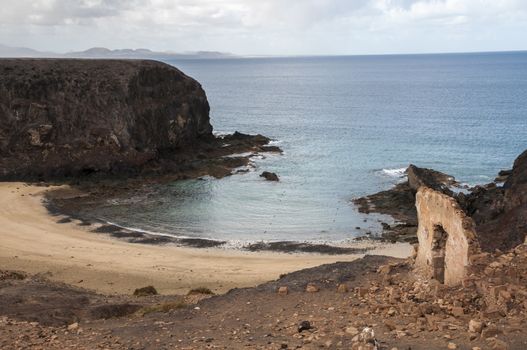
<point x="270" y="176"/>
<point x="283" y="290"/>
<point x="311" y="288"/>
<point x="304" y="326"/>
<point x="503" y="175"/>
<point x="475" y="326"/>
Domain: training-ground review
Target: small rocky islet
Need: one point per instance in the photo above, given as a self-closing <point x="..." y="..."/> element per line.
<point x="69" y="120"/>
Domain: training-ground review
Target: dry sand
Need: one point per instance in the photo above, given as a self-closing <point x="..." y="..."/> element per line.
<point x="31" y="240"/>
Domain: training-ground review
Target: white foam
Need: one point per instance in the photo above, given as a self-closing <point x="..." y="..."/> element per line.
<point x="460" y="189"/>
<point x="152" y="233"/>
<point x="221" y="133"/>
<point x="396" y="172"/>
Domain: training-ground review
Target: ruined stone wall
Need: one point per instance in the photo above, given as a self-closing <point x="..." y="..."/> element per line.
<point x="446" y="237"/>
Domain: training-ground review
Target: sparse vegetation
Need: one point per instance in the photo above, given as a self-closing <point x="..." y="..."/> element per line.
<point x="145" y="291"/>
<point x="200" y="290"/>
<point x="163" y="307"/>
<point x="12" y="275"/>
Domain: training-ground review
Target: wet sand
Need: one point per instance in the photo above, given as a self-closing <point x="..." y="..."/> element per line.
<point x="31" y="240"/>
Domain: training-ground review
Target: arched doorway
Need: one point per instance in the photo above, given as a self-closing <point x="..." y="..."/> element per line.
<point x="438" y="253"/>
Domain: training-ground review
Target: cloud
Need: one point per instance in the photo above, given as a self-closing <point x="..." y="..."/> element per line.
<point x="258" y="26"/>
<point x="61" y="12"/>
<point x="472" y="10"/>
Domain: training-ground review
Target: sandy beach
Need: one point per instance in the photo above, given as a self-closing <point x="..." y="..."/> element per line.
<point x="31" y="240"/>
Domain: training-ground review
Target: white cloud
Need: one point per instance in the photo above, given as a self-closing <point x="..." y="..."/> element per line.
<point x="267" y="27"/>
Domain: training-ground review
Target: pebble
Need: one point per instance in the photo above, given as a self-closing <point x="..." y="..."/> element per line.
<point x="475" y="326"/>
<point x="342" y="288"/>
<point x="304" y="326"/>
<point x="311" y="288"/>
<point x="283" y="290"/>
<point x="352" y="331"/>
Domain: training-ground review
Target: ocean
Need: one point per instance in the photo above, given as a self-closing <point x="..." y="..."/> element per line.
<point x="349" y="126"/>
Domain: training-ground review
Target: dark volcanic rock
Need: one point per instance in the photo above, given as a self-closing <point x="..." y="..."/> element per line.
<point x="269" y="176"/>
<point x="37" y="299"/>
<point x="292" y="247"/>
<point x="61" y="117"/>
<point x="32" y="300"/>
<point x="399" y="201"/>
<point x="434" y="179"/>
<point x="516" y="184"/>
<point x="113" y="310"/>
<point x="503" y="175"/>
<point x="304" y="326"/>
<point x="500" y="213"/>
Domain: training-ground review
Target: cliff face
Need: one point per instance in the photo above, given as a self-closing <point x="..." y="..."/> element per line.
<point x="500" y="213"/>
<point x="71" y="117"/>
<point x="516" y="184"/>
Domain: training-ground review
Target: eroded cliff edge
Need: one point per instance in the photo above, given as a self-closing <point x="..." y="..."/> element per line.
<point x="498" y="209"/>
<point x="69" y="117"/>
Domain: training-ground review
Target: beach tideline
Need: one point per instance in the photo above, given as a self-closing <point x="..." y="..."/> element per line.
<point x="31" y="240"/>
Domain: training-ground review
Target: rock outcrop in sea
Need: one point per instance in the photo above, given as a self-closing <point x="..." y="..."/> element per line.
<point x="70" y="117"/>
<point x="498" y="212"/>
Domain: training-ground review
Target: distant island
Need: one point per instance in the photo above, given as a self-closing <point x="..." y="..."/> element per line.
<point x="102" y="52"/>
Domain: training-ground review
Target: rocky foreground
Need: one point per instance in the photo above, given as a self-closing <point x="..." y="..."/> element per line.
<point x="372" y="303"/>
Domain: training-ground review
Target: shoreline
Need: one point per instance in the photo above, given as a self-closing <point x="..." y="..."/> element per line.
<point x="67" y="211"/>
<point x="139" y="236"/>
<point x="33" y="241"/>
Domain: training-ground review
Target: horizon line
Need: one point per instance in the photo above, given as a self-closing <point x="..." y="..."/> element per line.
<point x="242" y="56"/>
<point x="382" y="54"/>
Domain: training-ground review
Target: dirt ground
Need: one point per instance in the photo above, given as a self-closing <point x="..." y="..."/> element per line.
<point x="337" y="300"/>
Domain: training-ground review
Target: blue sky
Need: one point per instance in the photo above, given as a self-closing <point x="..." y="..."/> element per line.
<point x="273" y="27"/>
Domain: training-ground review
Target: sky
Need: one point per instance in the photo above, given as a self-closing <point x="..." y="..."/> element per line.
<point x="267" y="27"/>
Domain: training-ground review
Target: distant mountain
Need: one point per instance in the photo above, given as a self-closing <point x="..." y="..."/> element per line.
<point x="102" y="52"/>
<point x="8" y="51"/>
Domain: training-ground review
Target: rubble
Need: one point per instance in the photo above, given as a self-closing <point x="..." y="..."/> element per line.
<point x="283" y="290"/>
<point x="311" y="288"/>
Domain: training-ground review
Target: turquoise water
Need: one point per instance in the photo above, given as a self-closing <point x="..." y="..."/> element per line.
<point x="346" y="125"/>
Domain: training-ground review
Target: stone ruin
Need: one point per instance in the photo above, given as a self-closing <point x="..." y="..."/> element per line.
<point x="447" y="237"/>
<point x="455" y="228"/>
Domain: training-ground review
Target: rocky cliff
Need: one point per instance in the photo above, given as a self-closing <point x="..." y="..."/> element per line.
<point x="399" y="201"/>
<point x="61" y="117"/>
<point x="500" y="213"/>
